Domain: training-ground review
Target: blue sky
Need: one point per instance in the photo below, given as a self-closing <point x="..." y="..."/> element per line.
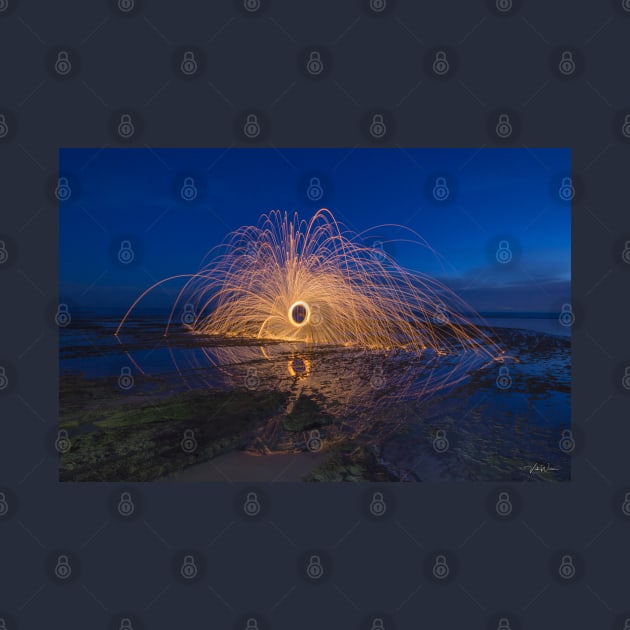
<point x="494" y="195"/>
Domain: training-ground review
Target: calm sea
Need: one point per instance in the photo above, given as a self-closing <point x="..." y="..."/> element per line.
<point x="548" y="323"/>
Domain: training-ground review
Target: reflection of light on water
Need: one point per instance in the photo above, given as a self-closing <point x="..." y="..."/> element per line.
<point x="345" y="376"/>
<point x="301" y="299"/>
<point x="367" y="394"/>
<point x="299" y="367"/>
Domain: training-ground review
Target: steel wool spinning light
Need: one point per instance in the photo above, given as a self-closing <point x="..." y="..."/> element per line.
<point x="316" y="282"/>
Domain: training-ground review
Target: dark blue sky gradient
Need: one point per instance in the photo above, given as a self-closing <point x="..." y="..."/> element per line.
<point x="496" y="194"/>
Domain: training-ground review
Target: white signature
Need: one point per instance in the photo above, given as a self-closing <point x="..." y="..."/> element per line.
<point x="539" y="468"/>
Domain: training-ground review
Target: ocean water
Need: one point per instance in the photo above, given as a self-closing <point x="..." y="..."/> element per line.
<point x="89" y="346"/>
<point x="495" y="433"/>
<point x="548" y="323"/>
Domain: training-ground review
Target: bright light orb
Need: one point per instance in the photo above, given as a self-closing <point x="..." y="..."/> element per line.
<point x="299" y="313"/>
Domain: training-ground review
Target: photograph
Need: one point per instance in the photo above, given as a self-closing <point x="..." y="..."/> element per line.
<point x="313" y="315"/>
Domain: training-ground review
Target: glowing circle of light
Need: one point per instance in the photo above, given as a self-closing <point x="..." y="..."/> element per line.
<point x="299" y="307"/>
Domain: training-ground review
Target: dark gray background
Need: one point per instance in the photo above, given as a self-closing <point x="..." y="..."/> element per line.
<point x="374" y="62"/>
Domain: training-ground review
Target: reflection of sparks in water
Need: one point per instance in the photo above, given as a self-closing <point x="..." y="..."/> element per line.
<point x="299" y="367"/>
<point x="360" y="328"/>
<point x="315" y="282"/>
